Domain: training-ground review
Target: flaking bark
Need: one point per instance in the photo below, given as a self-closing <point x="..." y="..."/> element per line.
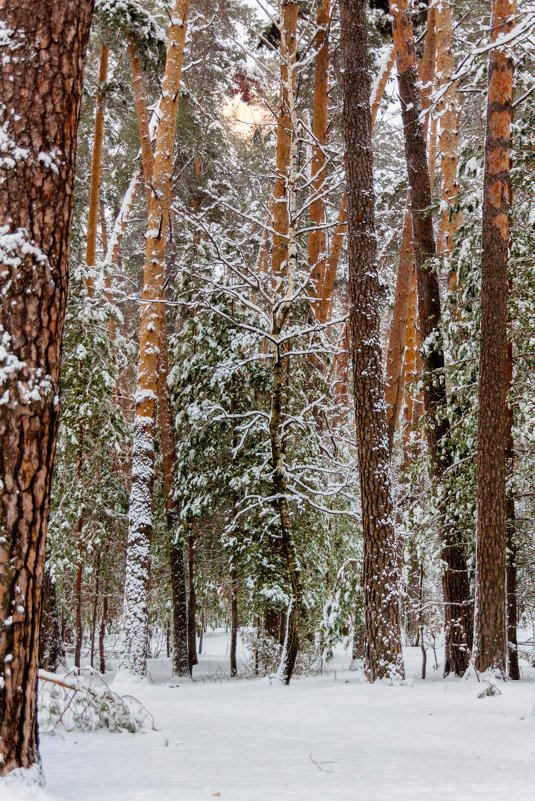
<point x="43" y="48"/>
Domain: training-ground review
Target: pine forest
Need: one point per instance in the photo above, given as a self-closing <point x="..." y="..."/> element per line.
<point x="267" y="400"/>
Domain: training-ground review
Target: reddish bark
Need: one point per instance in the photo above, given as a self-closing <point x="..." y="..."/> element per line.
<point x="41" y="89"/>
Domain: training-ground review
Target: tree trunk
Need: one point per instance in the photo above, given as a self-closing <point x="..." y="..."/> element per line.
<point x="491" y="637"/>
<point x="455" y="582"/>
<point x="78" y="609"/>
<point x="40" y="89"/>
<point x="134" y="626"/>
<point x="95" y="611"/>
<point x="317" y="237"/>
<point x="285" y="137"/>
<point x="51" y="651"/>
<point x="180" y="612"/>
<point x="398" y="330"/>
<point x="396" y="342"/>
<point x="291" y="642"/>
<point x="96" y="169"/>
<point x="176" y="549"/>
<point x="233" y="624"/>
<point x="448" y="113"/>
<point x="327" y="288"/>
<point x="192" y="607"/>
<point x="102" y="634"/>
<point x="511" y="579"/>
<point x="383" y="652"/>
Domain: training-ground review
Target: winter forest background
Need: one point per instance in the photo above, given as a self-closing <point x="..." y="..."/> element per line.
<point x="240" y="304"/>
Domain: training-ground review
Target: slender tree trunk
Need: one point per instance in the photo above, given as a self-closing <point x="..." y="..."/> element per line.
<point x="491" y="638"/>
<point x="457" y="601"/>
<point x="96" y="168"/>
<point x="140" y="94"/>
<point x="398" y="329"/>
<point x="40" y="86"/>
<point x="134" y="626"/>
<point x="78" y="602"/>
<point x="201" y="631"/>
<point x="448" y="113"/>
<point x="192" y="607"/>
<point x="234" y="623"/>
<point x="396" y="343"/>
<point x="102" y="635"/>
<point x="285" y="136"/>
<point x="291" y="642"/>
<point x="383" y="652"/>
<point x="51" y="651"/>
<point x="181" y="665"/>
<point x="511" y="582"/>
<point x="317" y="238"/>
<point x="95" y="611"/>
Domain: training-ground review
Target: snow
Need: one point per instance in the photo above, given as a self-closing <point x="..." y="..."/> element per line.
<point x="323" y="738"/>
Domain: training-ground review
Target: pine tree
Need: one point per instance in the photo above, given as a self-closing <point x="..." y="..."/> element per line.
<point x="383" y="653"/>
<point x="491" y="494"/>
<point x="41" y="90"/>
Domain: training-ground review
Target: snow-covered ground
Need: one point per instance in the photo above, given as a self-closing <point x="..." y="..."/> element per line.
<point x="321" y="739"/>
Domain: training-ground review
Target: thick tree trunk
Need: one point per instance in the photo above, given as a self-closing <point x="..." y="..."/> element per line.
<point x="134" y="626"/>
<point x="383" y="653"/>
<point x="457" y="601"/>
<point x="491" y="637"/>
<point x="40" y="88"/>
<point x="176" y="549"/>
<point x="326" y="291"/>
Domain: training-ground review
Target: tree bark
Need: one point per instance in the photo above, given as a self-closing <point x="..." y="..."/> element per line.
<point x="337" y="242"/>
<point x="234" y="623"/>
<point x="317" y="238"/>
<point x="383" y="652"/>
<point x="176" y="549"/>
<point x="491" y="638"/>
<point x="51" y="651"/>
<point x="511" y="578"/>
<point x="192" y="607"/>
<point x="96" y="169"/>
<point x="455" y="582"/>
<point x="285" y="137"/>
<point x="102" y="635"/>
<point x="396" y="342"/>
<point x="40" y="86"/>
<point x="134" y="626"/>
<point x="295" y="608"/>
<point x="448" y="113"/>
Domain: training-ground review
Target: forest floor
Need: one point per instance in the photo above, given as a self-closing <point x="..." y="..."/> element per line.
<point x="323" y="738"/>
